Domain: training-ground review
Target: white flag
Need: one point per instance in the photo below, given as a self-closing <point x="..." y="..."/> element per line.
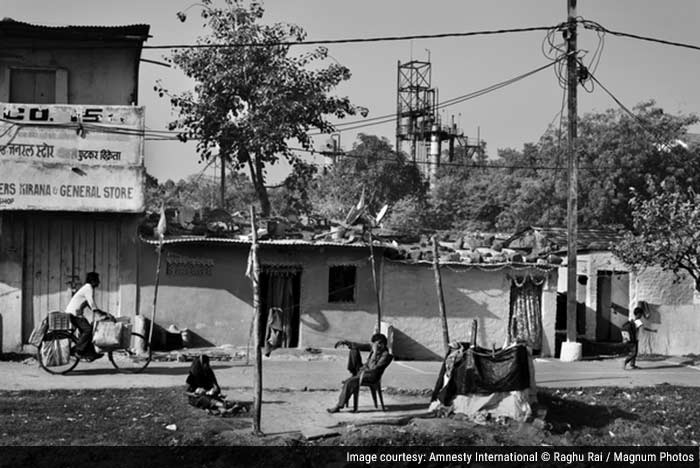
<point x="162" y="223"/>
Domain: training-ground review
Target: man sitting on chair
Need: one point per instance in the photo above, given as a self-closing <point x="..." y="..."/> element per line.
<point x="370" y="372"/>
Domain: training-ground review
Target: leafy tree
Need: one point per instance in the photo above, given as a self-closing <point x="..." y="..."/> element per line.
<point x="407" y="215"/>
<point x="197" y="191"/>
<point x="153" y="194"/>
<point x="294" y="195"/>
<point x="619" y="152"/>
<point x="251" y="96"/>
<point x="616" y="152"/>
<point x="666" y="231"/>
<point x="371" y="166"/>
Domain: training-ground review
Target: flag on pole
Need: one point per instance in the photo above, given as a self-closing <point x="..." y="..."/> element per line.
<point x="162" y="223"/>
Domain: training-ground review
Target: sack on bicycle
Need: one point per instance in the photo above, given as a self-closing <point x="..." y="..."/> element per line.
<point x="110" y="333"/>
<point x="56" y="352"/>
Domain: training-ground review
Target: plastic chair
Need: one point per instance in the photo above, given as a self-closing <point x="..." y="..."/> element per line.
<point x="374" y="387"/>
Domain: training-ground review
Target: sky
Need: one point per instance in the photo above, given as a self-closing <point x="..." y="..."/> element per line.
<point x="631" y="69"/>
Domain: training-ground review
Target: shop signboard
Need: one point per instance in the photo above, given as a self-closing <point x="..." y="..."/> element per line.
<point x="71" y="158"/>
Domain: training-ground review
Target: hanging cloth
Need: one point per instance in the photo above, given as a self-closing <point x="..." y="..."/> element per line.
<point x="525" y="318"/>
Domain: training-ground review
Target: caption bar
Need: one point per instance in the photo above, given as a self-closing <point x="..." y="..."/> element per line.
<point x="593" y="456"/>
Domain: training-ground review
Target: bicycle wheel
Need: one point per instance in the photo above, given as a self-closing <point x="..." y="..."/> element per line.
<point x="55" y="353"/>
<point x="133" y="359"/>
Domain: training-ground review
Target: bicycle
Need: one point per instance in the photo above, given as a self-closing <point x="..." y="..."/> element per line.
<point x="56" y="352"/>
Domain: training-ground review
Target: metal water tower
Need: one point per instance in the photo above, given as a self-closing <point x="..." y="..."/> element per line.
<point x="415" y="107"/>
<point x="418" y="122"/>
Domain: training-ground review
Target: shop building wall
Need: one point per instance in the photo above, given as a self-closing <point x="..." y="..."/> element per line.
<point x="42" y="263"/>
<point x="102" y="76"/>
<point x="11" y="253"/>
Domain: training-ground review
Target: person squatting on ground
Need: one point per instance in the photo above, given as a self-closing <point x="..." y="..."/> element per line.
<point x="630" y="335"/>
<point x="83" y="298"/>
<point x="204" y="392"/>
<point x="370" y="372"/>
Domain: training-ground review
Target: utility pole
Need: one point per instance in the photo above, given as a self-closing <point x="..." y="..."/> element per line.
<point x="571" y="351"/>
<point x="441" y="297"/>
<point x="223" y="182"/>
<point x="258" y="371"/>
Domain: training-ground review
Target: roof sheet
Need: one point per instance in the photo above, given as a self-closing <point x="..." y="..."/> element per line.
<point x="279" y="242"/>
<point x="10" y="28"/>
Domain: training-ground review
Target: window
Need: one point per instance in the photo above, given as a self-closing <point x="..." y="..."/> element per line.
<point x="33" y="86"/>
<point x="38" y="86"/>
<point x="341" y="283"/>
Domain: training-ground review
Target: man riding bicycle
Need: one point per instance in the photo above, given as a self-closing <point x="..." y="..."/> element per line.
<point x="83" y="298"/>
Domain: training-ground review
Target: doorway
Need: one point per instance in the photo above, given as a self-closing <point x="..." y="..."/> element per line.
<point x="612" y="304"/>
<point x="280" y="287"/>
<point x="59" y="250"/>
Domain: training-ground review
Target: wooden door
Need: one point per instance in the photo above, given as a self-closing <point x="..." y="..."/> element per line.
<point x="33" y="86"/>
<point x="611" y="304"/>
<point x="60" y="250"/>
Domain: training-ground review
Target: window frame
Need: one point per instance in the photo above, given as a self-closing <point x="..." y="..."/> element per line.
<point x="332" y="294"/>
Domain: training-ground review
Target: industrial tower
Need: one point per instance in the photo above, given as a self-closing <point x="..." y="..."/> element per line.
<point x="418" y="121"/>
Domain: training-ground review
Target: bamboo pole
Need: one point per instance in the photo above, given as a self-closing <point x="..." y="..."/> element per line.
<point x="473" y="337"/>
<point x="155" y="296"/>
<point x="441" y="298"/>
<point x="374" y="280"/>
<point x="257" y="375"/>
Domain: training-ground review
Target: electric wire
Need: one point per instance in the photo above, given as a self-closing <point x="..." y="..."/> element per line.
<point x="588" y="24"/>
<point x="354" y="40"/>
<point x="169" y="135"/>
<point x="658" y="140"/>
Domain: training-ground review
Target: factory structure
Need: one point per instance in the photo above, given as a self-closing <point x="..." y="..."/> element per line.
<point x="420" y="131"/>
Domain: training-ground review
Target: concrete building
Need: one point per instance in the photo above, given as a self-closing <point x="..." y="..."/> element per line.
<point x="609" y="290"/>
<point x="612" y="290"/>
<point x="485" y="292"/>
<point x="326" y="288"/>
<point x="71" y="169"/>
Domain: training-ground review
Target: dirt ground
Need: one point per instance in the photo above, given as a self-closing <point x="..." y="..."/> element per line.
<point x="658" y="415"/>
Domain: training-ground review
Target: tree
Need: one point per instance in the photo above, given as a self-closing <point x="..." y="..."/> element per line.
<point x="616" y="152"/>
<point x="371" y="166"/>
<point x="293" y="197"/>
<point x="666" y="231"/>
<point x="251" y="96"/>
<point x="197" y="191"/>
<point x="407" y="215"/>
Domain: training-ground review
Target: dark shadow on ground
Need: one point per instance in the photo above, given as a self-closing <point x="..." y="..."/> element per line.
<point x="151" y="369"/>
<point x="101" y="371"/>
<point x="406" y="407"/>
<point x="564" y="414"/>
<point x="16" y="357"/>
<point x="579" y="380"/>
<point x="664" y="366"/>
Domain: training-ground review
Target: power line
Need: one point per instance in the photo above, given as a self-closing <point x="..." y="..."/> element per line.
<point x="634" y="116"/>
<point x="592" y="25"/>
<point x="169" y="135"/>
<point x="355" y="40"/>
<point x="456" y="100"/>
<point x="468" y="165"/>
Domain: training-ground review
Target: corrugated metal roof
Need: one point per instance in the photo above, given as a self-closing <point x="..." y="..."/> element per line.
<point x="278" y="242"/>
<point x="556" y="238"/>
<point x="10" y="28"/>
<point x="493" y="266"/>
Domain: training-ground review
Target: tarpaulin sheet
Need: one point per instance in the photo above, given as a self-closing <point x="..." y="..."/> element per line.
<point x="481" y="372"/>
